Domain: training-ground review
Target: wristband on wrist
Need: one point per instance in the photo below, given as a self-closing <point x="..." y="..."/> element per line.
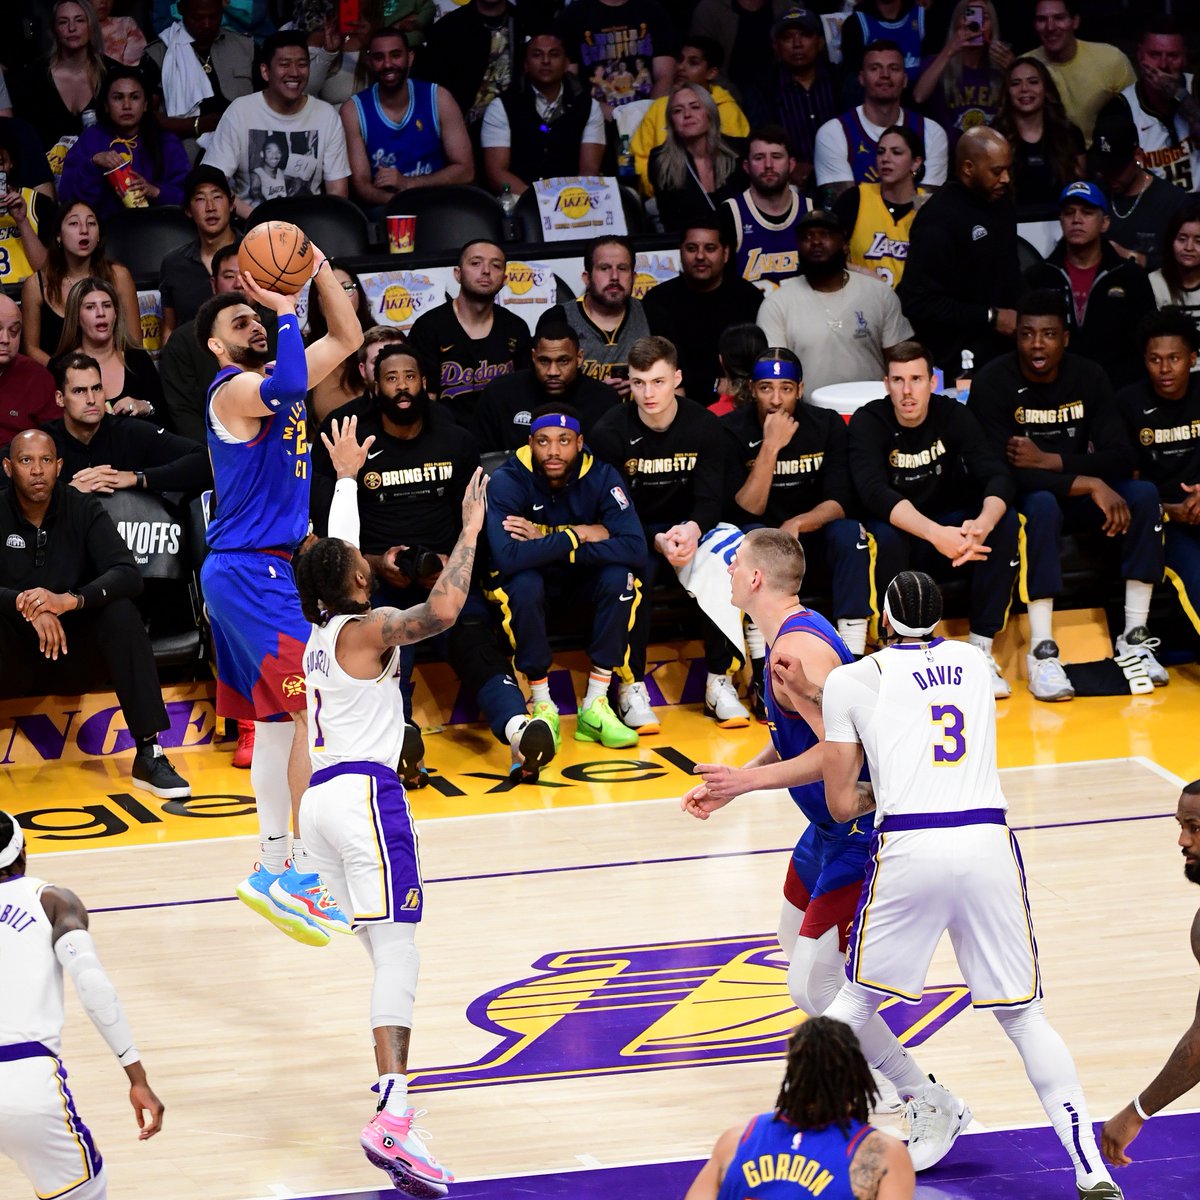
<point x="1136" y="1103"/>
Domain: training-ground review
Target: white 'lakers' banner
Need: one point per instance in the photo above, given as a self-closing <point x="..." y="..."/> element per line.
<point x="400" y="297"/>
<point x="581" y="206"/>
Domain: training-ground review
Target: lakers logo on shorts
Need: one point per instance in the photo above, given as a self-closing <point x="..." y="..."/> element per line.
<point x="412" y="900"/>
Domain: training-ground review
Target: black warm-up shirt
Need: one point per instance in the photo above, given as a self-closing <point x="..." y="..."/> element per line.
<point x="1165" y="435"/>
<point x="502" y="415"/>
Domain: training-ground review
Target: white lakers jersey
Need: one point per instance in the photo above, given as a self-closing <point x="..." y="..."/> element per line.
<point x="926" y="717"/>
<point x="350" y="720"/>
<point x="31" y="981"/>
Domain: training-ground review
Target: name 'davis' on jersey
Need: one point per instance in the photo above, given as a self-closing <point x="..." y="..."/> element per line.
<point x="146" y="538"/>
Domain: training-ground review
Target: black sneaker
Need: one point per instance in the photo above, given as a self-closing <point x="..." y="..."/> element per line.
<point x="152" y="772"/>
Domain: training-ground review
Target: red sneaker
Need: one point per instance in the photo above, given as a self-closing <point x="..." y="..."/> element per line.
<point x="244" y="753"/>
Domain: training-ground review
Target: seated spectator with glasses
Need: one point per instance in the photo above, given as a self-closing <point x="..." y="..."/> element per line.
<point x="67" y="618"/>
<point x="106" y="454"/>
<point x="26" y="387"/>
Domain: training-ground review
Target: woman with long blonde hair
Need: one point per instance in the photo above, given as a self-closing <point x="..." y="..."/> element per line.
<point x="95" y="325"/>
<point x="696" y="168"/>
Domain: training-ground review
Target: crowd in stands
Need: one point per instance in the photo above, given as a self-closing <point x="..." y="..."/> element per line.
<point x="852" y="192"/>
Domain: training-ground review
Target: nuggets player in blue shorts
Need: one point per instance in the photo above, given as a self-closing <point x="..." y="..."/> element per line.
<point x="258" y="442"/>
<point x="817" y="1141"/>
<point x="826" y="872"/>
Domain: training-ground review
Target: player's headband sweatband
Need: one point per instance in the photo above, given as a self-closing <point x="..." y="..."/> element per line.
<point x="554" y="421"/>
<point x="10" y="853"/>
<point x="775" y="368"/>
<point x="899" y="626"/>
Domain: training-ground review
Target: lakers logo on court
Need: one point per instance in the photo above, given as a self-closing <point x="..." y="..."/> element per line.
<point x="650" y="1007"/>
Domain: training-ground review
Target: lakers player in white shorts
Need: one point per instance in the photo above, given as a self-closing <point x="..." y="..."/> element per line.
<point x="43" y="931"/>
<point x="943" y="858"/>
<point x="354" y="817"/>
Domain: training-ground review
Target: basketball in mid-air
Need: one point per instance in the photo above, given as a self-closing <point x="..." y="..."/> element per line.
<point x="278" y="256"/>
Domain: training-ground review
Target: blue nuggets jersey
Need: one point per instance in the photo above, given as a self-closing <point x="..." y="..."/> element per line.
<point x="908" y="33"/>
<point x="414" y="146"/>
<point x="791" y="734"/>
<point x="776" y="1161"/>
<point x="260" y="487"/>
<point x="862" y="146"/>
<point x="765" y="251"/>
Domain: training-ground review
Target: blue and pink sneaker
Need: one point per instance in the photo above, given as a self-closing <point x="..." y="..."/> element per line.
<point x="255" y="891"/>
<point x="305" y="896"/>
<point x="395" y="1145"/>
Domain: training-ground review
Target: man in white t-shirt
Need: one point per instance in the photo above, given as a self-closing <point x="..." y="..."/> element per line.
<point x="836" y="321"/>
<point x="845" y="149"/>
<point x="281" y="142"/>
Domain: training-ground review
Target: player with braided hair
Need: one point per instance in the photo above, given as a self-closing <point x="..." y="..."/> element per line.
<point x="943" y="859"/>
<point x="323" y="579"/>
<point x="817" y="1141"/>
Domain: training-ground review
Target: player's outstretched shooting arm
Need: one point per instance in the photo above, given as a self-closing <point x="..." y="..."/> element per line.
<point x="345" y="334"/>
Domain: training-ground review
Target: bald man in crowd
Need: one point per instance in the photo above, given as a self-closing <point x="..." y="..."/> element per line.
<point x="962" y="280"/>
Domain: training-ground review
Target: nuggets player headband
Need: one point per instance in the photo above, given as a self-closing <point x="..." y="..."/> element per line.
<point x="554" y="421"/>
<point x="899" y="626"/>
<point x="10" y="853"/>
<point x="775" y="368"/>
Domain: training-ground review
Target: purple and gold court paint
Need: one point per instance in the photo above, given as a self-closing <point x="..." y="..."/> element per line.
<point x="652" y="1008"/>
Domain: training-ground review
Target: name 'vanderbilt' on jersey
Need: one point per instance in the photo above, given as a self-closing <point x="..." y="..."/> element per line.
<point x="926" y="717"/>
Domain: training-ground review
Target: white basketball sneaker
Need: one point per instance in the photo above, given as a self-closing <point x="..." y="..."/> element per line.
<point x="935" y="1119"/>
<point x="633" y="707"/>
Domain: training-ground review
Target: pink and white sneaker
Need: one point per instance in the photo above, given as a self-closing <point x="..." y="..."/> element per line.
<point x="395" y="1145"/>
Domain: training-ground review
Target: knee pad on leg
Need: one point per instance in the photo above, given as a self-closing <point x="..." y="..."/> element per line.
<point x="816" y="972"/>
<point x="790" y="920"/>
<point x="854" y="1005"/>
<point x="269" y="776"/>
<point x="397" y="964"/>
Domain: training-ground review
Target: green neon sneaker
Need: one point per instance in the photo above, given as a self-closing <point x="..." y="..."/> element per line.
<point x="598" y="723"/>
<point x="545" y="710"/>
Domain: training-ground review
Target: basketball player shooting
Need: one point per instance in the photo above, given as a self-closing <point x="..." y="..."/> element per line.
<point x="943" y="858"/>
<point x="826" y="872"/>
<point x="355" y="818"/>
<point x="258" y="443"/>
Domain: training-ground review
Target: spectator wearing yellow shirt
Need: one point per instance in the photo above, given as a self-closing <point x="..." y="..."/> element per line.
<point x="23" y="212"/>
<point x="699" y="63"/>
<point x="1088" y="74"/>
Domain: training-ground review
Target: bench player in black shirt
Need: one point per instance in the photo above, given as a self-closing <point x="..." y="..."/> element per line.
<point x="1162" y="415"/>
<point x="674" y="456"/>
<point x="933" y="493"/>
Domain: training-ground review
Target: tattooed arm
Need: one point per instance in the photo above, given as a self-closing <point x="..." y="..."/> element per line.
<point x="881" y="1169"/>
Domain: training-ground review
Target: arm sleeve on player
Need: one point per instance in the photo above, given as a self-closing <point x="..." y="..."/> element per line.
<point x="846" y="689"/>
<point x="343" y="511"/>
<point x="289" y="381"/>
<point x="77" y="953"/>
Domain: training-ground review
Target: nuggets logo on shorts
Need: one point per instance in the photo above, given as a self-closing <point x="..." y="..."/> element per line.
<point x="639" y="1008"/>
<point x="293" y="685"/>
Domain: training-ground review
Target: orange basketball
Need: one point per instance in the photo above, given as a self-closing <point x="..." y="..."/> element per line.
<point x="278" y="256"/>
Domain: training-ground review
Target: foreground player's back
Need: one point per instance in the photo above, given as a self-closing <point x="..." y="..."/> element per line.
<point x="931" y="741"/>
<point x="31" y="1000"/>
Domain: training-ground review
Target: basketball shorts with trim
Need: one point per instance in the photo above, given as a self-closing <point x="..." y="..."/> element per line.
<point x="40" y="1129"/>
<point x="358" y="829"/>
<point x="968" y="881"/>
<point x="825" y="879"/>
<point x="259" y="634"/>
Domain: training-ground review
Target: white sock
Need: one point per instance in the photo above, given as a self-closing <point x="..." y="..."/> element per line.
<point x="540" y="689"/>
<point x="514" y="729"/>
<point x="978" y="640"/>
<point x="1137" y="603"/>
<point x="393" y="1094"/>
<point x="1041" y="622"/>
<point x="756" y="644"/>
<point x="598" y="681"/>
<point x="273" y="799"/>
<point x="300" y="858"/>
<point x="853" y="631"/>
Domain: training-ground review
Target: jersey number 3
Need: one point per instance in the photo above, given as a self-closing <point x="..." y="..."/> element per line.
<point x="949" y="727"/>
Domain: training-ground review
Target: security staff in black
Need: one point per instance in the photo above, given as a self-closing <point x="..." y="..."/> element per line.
<point x="561" y="528"/>
<point x="674" y="457"/>
<point x="507" y="404"/>
<point x="410" y="491"/>
<point x="1054" y="416"/>
<point x="791" y="473"/>
<point x="1162" y="417"/>
<point x="935" y="495"/>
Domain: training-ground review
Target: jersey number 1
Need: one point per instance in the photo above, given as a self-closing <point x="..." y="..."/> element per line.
<point x="953" y="743"/>
<point x="319" y="740"/>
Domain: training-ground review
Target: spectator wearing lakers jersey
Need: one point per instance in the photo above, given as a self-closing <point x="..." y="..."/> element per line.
<point x="898" y="21"/>
<point x="693" y="309"/>
<point x="1176" y="284"/>
<point x="880" y="215"/>
<point x="961" y="278"/>
<point x="1162" y="415"/>
<point x="23" y="212"/>
<point x="835" y="320"/>
<point x="761" y="221"/>
<point x="545" y="126"/>
<point x="673" y="456"/>
<point x="607" y="318"/>
<point x="471" y="340"/>
<point x="507" y="404"/>
<point x="1088" y="74"/>
<point x="935" y="494"/>
<point x="846" y="145"/>
<point x="791" y="473"/>
<point x="1105" y="295"/>
<point x="402" y="133"/>
<point x="799" y="91"/>
<point x="1052" y="413"/>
